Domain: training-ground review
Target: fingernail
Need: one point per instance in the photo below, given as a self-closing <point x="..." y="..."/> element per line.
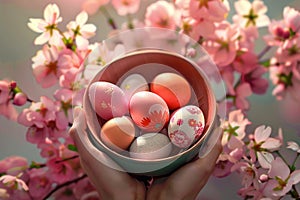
<point x="210" y="142"/>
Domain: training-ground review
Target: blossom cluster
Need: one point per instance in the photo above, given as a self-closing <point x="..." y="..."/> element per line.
<point x="67" y="61"/>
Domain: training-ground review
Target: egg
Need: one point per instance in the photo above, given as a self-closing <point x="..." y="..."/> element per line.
<point x="173" y="88"/>
<point x="134" y="83"/>
<point x="151" y="146"/>
<point x="149" y="111"/>
<point x="118" y="133"/>
<point x="108" y="100"/>
<point x="186" y="125"/>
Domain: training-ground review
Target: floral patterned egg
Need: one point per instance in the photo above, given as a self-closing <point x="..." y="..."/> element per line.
<point x="108" y="100"/>
<point x="186" y="125"/>
<point x="149" y="111"/>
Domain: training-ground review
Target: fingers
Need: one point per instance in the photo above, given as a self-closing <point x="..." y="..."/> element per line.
<point x="104" y="173"/>
<point x="188" y="181"/>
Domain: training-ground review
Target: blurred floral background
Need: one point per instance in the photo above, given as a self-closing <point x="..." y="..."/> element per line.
<point x="17" y="49"/>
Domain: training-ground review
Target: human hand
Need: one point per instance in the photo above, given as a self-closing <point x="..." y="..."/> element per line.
<point x="112" y="182"/>
<point x="109" y="179"/>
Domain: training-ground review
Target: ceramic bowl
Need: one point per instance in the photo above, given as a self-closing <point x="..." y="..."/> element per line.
<point x="149" y="63"/>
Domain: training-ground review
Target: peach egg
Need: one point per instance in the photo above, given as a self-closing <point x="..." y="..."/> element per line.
<point x="173" y="88"/>
<point x="118" y="133"/>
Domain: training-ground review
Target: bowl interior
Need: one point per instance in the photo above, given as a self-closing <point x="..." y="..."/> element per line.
<point x="150" y="63"/>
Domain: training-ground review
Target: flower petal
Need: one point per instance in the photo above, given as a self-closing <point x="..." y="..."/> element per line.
<point x="261" y="133"/>
<point x="279" y="168"/>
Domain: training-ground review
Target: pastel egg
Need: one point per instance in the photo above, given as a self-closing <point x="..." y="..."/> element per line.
<point x="149" y="111"/>
<point x="186" y="125"/>
<point x="173" y="88"/>
<point x="118" y="133"/>
<point x="134" y="83"/>
<point x="151" y="146"/>
<point x="108" y="100"/>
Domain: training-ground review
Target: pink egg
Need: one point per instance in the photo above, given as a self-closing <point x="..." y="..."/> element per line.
<point x="149" y="111"/>
<point x="108" y="100"/>
<point x="186" y="126"/>
<point x="173" y="88"/>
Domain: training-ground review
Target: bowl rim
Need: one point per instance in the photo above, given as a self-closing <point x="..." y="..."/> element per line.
<point x="169" y="158"/>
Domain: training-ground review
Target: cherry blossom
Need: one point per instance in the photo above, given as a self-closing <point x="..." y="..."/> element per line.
<point x="47" y="26"/>
<point x="211" y="10"/>
<point x="81" y="31"/>
<point x="262" y="145"/>
<point x="223" y="45"/>
<point x="160" y="14"/>
<point x="242" y="92"/>
<point x="45" y="68"/>
<point x="14" y="182"/>
<point x="39" y="183"/>
<point x="92" y="6"/>
<point x="293" y="146"/>
<point x="124" y="7"/>
<point x="282" y="179"/>
<point x="251" y="14"/>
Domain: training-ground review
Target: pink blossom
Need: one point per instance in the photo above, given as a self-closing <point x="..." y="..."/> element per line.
<point x="124" y="7"/>
<point x="293" y="146"/>
<point x="211" y="10"/>
<point x="282" y="179"/>
<point x="92" y="6"/>
<point x="14" y="182"/>
<point x="292" y="18"/>
<point x="45" y="68"/>
<point x="60" y="172"/>
<point x="160" y="14"/>
<point x="289" y="52"/>
<point x="222" y="168"/>
<point x="262" y="144"/>
<point x="20" y="99"/>
<point x="234" y="129"/>
<point x="223" y="45"/>
<point x="279" y="32"/>
<point x="241" y="93"/>
<point x="251" y="14"/>
<point x="259" y="85"/>
<point x="39" y="113"/>
<point x="13" y="165"/>
<point x="81" y="31"/>
<point x="46" y="26"/>
<point x="39" y="183"/>
<point x="245" y="62"/>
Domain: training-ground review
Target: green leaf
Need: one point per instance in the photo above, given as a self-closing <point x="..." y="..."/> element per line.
<point x="72" y="147"/>
<point x="34" y="164"/>
<point x="266" y="63"/>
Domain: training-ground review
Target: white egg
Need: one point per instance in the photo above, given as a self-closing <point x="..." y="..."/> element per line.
<point x="134" y="83"/>
<point x="186" y="126"/>
<point x="151" y="146"/>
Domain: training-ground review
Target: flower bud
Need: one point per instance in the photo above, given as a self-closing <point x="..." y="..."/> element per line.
<point x="20" y="99"/>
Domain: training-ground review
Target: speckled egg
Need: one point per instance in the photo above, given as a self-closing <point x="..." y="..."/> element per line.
<point x="134" y="83"/>
<point x="149" y="111"/>
<point x="186" y="125"/>
<point x="173" y="88"/>
<point x="118" y="133"/>
<point x="108" y="100"/>
<point x="151" y="146"/>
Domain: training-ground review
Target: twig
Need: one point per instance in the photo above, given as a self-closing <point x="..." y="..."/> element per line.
<point x="263" y="52"/>
<point x="63" y="185"/>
